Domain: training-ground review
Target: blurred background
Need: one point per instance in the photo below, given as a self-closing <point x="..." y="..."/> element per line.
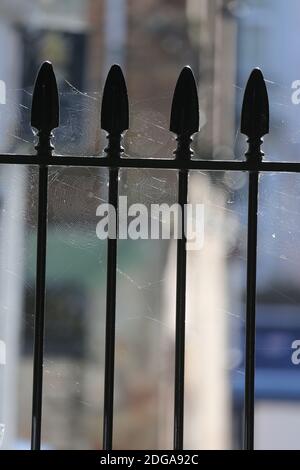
<point x="152" y="40"/>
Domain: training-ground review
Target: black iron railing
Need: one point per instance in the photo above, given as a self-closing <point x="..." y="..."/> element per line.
<point x="184" y="123"/>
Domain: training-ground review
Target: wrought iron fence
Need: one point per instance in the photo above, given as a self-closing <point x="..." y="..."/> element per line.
<point x="184" y="123"/>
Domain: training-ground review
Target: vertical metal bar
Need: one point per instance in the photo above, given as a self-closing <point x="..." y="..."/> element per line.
<point x="184" y="123"/>
<point x="44" y="118"/>
<point x="39" y="309"/>
<point x="114" y="120"/>
<point x="251" y="312"/>
<point x="254" y="124"/>
<point x="180" y="317"/>
<point x="110" y="319"/>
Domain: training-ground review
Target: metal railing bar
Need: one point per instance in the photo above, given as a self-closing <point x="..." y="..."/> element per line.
<point x="110" y="327"/>
<point x="154" y="163"/>
<point x="250" y="312"/>
<point x="44" y="118"/>
<point x="37" y="389"/>
<point x="114" y="120"/>
<point x="184" y="123"/>
<point x="180" y="318"/>
<point x="254" y="124"/>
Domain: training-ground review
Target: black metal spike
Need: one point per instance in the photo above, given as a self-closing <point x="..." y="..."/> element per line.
<point x="115" y="110"/>
<point x="185" y="107"/>
<point x="45" y="103"/>
<point x="255" y="109"/>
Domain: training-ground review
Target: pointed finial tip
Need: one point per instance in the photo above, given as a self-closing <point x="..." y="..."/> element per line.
<point x="46" y="68"/>
<point x="255" y="109"/>
<point x="256" y="74"/>
<point x="115" y="108"/>
<point x="45" y="103"/>
<point x="116" y="67"/>
<point x="185" y="107"/>
<point x="186" y="73"/>
<point x="115" y="71"/>
<point x="186" y="69"/>
<point x="47" y="63"/>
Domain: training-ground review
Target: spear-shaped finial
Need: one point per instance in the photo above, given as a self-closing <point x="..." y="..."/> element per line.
<point x="255" y="112"/>
<point x="114" y="110"/>
<point x="45" y="107"/>
<point x="184" y="119"/>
